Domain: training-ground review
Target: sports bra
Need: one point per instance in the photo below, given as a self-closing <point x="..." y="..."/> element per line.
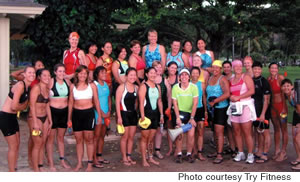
<point x="274" y="86"/>
<point x="177" y="59"/>
<point x="123" y="66"/>
<point x="71" y="61"/>
<point x="92" y="65"/>
<point x="151" y="56"/>
<point x="140" y="64"/>
<point x="24" y="95"/>
<point x="128" y="100"/>
<point x="83" y="94"/>
<point x="41" y="98"/>
<point x="59" y="91"/>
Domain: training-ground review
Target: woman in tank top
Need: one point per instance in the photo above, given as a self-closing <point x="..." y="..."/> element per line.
<point x="154" y="51"/>
<point x="106" y="61"/>
<point x="197" y="62"/>
<point x="126" y="106"/>
<point x="187" y="54"/>
<point x="150" y="107"/>
<point x="17" y="100"/>
<point x="91" y="59"/>
<point x="73" y="57"/>
<point x="83" y="99"/>
<point x="176" y="55"/>
<point x="136" y="61"/>
<point x="207" y="56"/>
<point x="248" y="65"/>
<point x="59" y="95"/>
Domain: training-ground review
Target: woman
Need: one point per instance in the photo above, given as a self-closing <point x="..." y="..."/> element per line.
<point x="126" y="106"/>
<point x="166" y="101"/>
<point x="204" y="75"/>
<point x="290" y="95"/>
<point x="17" y="100"/>
<point x="154" y="51"/>
<point x="91" y="59"/>
<point x="41" y="119"/>
<point x="150" y="107"/>
<point x="187" y="54"/>
<point x="19" y="74"/>
<point x="59" y="94"/>
<point x="201" y="112"/>
<point x="136" y="61"/>
<point x="73" y="57"/>
<point x="83" y="97"/>
<point x="248" y="66"/>
<point x="106" y="61"/>
<point x="176" y="55"/>
<point x="217" y="100"/>
<point x="242" y="111"/>
<point x="105" y="109"/>
<point x="206" y="55"/>
<point x="278" y="109"/>
<point x="119" y="68"/>
<point x="227" y="70"/>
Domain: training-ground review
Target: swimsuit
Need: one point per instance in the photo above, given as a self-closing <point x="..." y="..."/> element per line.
<point x="151" y="56"/>
<point x="92" y="65"/>
<point x="107" y="64"/>
<point x="177" y="59"/>
<point x="275" y="88"/>
<point x="127" y="107"/>
<point x="103" y="95"/>
<point x="150" y="106"/>
<point x="71" y="61"/>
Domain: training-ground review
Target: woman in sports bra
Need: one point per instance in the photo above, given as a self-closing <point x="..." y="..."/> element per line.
<point x="151" y="107"/>
<point x="41" y="119"/>
<point x="91" y="59"/>
<point x="197" y="62"/>
<point x="207" y="56"/>
<point x="105" y="109"/>
<point x="126" y="107"/>
<point x="136" y="61"/>
<point x="187" y="54"/>
<point x="119" y="68"/>
<point x="16" y="100"/>
<point x="176" y="55"/>
<point x="73" y="57"/>
<point x="106" y="61"/>
<point x="167" y="103"/>
<point x="278" y="108"/>
<point x="154" y="51"/>
<point x="59" y="95"/>
<point x="81" y="116"/>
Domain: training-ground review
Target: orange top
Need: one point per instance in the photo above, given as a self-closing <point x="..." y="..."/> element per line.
<point x="71" y="61"/>
<point x="92" y="65"/>
<point x="107" y="64"/>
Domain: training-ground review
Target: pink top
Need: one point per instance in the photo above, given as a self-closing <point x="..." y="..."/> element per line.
<point x="140" y="64"/>
<point x="239" y="89"/>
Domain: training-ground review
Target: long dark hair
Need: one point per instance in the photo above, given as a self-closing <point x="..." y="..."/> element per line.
<point x="147" y="71"/>
<point x="78" y="70"/>
<point x="97" y="71"/>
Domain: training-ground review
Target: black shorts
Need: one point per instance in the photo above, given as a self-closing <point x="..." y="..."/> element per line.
<point x="8" y="123"/>
<point x="220" y="116"/>
<point x="59" y="117"/>
<point x="261" y="125"/>
<point x="129" y="118"/>
<point x="199" y="116"/>
<point x="83" y="120"/>
<point x="115" y="86"/>
<point x="154" y="118"/>
<point x="296" y="118"/>
<point x="184" y="116"/>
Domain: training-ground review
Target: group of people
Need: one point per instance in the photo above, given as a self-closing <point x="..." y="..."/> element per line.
<point x="171" y="90"/>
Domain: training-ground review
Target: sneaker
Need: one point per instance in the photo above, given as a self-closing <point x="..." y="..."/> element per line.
<point x="240" y="156"/>
<point x="250" y="158"/>
<point x="178" y="159"/>
<point x="190" y="159"/>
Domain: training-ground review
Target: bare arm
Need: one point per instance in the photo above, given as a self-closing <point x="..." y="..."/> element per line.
<point x="81" y="57"/>
<point x="18" y="91"/>
<point x="212" y="56"/>
<point x="251" y="89"/>
<point x="194" y="108"/>
<point x="142" y="94"/>
<point x="204" y="98"/>
<point x="143" y="53"/>
<point x="71" y="102"/>
<point x="132" y="63"/>
<point x="99" y="62"/>
<point x="96" y="101"/>
<point x="176" y="110"/>
<point x="285" y="108"/>
<point x="225" y="88"/>
<point x="163" y="57"/>
<point x="169" y="93"/>
<point x="18" y="75"/>
<point x="160" y="106"/>
<point x="115" y="72"/>
<point x="118" y="101"/>
<point x="185" y="60"/>
<point x="33" y="97"/>
<point x="265" y="107"/>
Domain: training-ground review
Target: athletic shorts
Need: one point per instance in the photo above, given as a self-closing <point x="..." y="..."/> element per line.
<point x="220" y="116"/>
<point x="83" y="120"/>
<point x="115" y="86"/>
<point x="244" y="118"/>
<point x="8" y="123"/>
<point x="199" y="114"/>
<point x="154" y="118"/>
<point x="261" y="125"/>
<point x="59" y="117"/>
<point x="184" y="116"/>
<point x="296" y="118"/>
<point x="129" y="118"/>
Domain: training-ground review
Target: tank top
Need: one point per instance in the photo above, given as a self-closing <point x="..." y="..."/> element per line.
<point x="151" y="56"/>
<point x="23" y="97"/>
<point x="163" y="90"/>
<point x="83" y="94"/>
<point x="152" y="94"/>
<point x="177" y="59"/>
<point x="201" y="77"/>
<point x="103" y="95"/>
<point x="239" y="88"/>
<point x="107" y="64"/>
<point x="206" y="58"/>
<point x="128" y="100"/>
<point x="200" y="92"/>
<point x="92" y="65"/>
<point x="140" y="64"/>
<point x="59" y="91"/>
<point x="274" y="85"/>
<point x="216" y="91"/>
<point x="123" y="66"/>
<point x="176" y="81"/>
<point x="71" y="61"/>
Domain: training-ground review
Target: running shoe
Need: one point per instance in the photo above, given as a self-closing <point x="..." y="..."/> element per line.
<point x="178" y="159"/>
<point x="239" y="157"/>
<point x="250" y="158"/>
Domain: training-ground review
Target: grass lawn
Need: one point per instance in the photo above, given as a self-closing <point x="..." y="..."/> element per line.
<point x="293" y="72"/>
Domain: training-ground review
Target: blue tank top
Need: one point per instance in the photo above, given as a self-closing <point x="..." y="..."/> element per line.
<point x="177" y="59"/>
<point x="200" y="91"/>
<point x="103" y="95"/>
<point x="152" y="56"/>
<point x="206" y="59"/>
<point x="216" y="91"/>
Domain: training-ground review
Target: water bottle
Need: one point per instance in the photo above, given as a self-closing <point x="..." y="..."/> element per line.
<point x="70" y="131"/>
<point x="161" y="128"/>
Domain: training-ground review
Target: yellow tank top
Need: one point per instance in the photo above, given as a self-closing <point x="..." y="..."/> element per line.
<point x="201" y="77"/>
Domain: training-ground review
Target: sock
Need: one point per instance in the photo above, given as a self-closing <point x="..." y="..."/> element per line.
<point x="179" y="153"/>
<point x="188" y="153"/>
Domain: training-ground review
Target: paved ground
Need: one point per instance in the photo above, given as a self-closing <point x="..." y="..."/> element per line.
<point x="112" y="153"/>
